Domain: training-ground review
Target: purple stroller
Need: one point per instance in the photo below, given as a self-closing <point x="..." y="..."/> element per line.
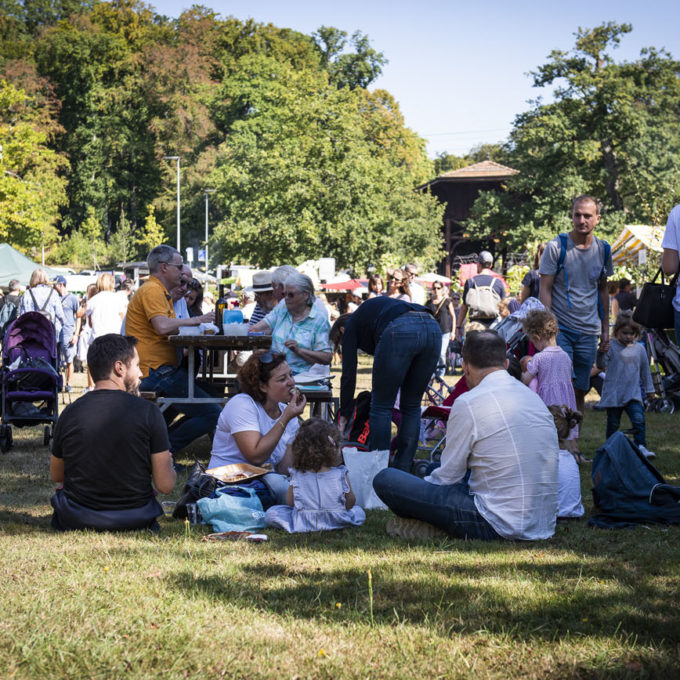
<point x="30" y="377"/>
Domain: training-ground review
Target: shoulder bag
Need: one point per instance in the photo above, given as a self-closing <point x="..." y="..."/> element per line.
<point x="655" y="306"/>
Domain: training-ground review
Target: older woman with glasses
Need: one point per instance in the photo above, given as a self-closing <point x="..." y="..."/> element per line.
<point x="257" y="425"/>
<point x="299" y="328"/>
<point x="442" y="309"/>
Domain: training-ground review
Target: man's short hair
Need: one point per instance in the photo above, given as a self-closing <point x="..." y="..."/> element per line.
<point x="14" y="285"/>
<point x="484" y="349"/>
<point x="106" y="350"/>
<point x="159" y="255"/>
<point x="586" y="198"/>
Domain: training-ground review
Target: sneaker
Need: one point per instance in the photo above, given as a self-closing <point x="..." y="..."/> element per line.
<point x="646" y="452"/>
<point x="414" y="529"/>
<point x="68" y="388"/>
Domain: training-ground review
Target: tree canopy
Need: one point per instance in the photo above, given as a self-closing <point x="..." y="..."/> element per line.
<point x="305" y="161"/>
<point x="610" y="131"/>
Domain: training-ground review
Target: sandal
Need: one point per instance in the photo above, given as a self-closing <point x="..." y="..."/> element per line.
<point x="580" y="458"/>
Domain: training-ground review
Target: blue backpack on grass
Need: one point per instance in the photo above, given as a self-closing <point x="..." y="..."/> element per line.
<point x="628" y="490"/>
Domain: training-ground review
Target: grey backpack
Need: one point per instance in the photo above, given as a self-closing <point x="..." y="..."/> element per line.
<point x="482" y="301"/>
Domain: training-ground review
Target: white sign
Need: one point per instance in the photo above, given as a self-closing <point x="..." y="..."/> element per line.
<point x="190" y="255"/>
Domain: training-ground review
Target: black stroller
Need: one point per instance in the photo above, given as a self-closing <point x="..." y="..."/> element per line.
<point x="663" y="354"/>
<point x="30" y="377"/>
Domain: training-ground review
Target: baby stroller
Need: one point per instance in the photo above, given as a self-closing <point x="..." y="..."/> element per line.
<point x="663" y="354"/>
<point x="29" y="377"/>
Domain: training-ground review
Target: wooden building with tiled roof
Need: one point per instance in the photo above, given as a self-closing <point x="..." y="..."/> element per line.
<point x="458" y="190"/>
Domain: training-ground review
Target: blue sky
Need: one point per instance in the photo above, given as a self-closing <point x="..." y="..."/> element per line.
<point x="459" y="69"/>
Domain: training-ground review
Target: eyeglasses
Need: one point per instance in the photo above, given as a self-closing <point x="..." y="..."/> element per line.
<point x="172" y="264"/>
<point x="437" y="287"/>
<point x="290" y="294"/>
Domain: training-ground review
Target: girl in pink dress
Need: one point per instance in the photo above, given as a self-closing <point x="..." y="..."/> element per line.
<point x="551" y="366"/>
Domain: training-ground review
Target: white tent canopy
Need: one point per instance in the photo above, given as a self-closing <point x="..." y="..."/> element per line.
<point x="633" y="239"/>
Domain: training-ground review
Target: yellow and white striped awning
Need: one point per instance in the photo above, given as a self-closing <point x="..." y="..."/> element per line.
<point x="633" y="239"/>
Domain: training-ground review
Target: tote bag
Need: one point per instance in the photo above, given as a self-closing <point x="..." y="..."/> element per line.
<point x="362" y="467"/>
<point x="655" y="307"/>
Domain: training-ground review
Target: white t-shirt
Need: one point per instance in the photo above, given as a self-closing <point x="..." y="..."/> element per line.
<point x="418" y="294"/>
<point x="104" y="310"/>
<point x="243" y="414"/>
<point x="671" y="239"/>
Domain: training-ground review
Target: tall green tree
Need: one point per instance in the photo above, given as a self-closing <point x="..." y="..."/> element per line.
<point x="304" y="174"/>
<point x="611" y="131"/>
<point x="32" y="183"/>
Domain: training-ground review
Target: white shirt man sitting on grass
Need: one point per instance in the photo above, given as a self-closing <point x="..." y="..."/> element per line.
<point x="109" y="446"/>
<point x="498" y="474"/>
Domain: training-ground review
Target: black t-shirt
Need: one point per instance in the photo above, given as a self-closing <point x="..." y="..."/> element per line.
<point x="362" y="332"/>
<point x="106" y="439"/>
<point x="442" y="314"/>
<point x="532" y="280"/>
<point x="626" y="300"/>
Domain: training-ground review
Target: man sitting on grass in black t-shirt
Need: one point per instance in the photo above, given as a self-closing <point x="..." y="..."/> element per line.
<point x="109" y="446"/>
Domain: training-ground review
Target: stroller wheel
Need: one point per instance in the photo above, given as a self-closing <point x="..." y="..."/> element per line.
<point x="664" y="406"/>
<point x="47" y="436"/>
<point x="5" y="438"/>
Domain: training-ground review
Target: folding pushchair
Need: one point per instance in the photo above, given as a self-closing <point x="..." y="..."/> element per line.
<point x="29" y="378"/>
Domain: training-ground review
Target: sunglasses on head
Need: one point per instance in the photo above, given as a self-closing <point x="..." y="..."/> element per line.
<point x="266" y="358"/>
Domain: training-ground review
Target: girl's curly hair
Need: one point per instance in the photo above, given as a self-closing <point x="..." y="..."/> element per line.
<point x="541" y="324"/>
<point x="258" y="369"/>
<point x="316" y="445"/>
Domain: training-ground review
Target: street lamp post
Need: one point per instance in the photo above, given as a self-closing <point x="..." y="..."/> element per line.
<point x="176" y="158"/>
<point x="207" y="194"/>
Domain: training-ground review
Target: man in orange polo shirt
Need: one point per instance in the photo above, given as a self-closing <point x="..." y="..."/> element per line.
<point x="151" y="318"/>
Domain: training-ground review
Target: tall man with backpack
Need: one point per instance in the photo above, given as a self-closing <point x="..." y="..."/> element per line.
<point x="574" y="270"/>
<point x="481" y="295"/>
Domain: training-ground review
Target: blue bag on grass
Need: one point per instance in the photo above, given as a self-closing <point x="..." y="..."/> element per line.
<point x="628" y="490"/>
<point x="234" y="508"/>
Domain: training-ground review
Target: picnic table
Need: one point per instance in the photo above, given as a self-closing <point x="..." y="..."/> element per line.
<point x="210" y="344"/>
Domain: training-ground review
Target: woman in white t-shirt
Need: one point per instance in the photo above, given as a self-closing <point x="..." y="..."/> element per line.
<point x="257" y="425"/>
<point x="106" y="310"/>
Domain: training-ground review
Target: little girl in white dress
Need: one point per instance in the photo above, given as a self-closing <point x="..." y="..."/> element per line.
<point x="319" y="497"/>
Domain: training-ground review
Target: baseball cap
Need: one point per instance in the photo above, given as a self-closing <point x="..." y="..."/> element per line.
<point x="60" y="279"/>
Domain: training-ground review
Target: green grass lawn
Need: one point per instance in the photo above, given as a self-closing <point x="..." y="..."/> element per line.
<point x="588" y="603"/>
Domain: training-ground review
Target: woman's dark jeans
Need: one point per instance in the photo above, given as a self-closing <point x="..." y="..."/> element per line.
<point x="636" y="413"/>
<point x="406" y="356"/>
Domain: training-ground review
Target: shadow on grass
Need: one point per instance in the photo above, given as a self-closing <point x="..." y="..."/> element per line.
<point x="14" y="522"/>
<point x="464" y="603"/>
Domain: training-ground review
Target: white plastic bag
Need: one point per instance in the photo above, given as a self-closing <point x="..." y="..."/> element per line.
<point x="362" y="467"/>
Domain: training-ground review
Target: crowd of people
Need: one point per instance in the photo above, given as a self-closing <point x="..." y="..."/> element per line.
<point x="501" y="475"/>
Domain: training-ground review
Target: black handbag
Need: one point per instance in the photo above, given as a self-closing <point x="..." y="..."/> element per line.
<point x="655" y="306"/>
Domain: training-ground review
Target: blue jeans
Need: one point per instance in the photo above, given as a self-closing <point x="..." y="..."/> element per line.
<point x="441" y="364"/>
<point x="451" y="508"/>
<point x="405" y="357"/>
<point x="636" y="413"/>
<point x="172" y="381"/>
<point x="582" y="350"/>
<point x="677" y="326"/>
